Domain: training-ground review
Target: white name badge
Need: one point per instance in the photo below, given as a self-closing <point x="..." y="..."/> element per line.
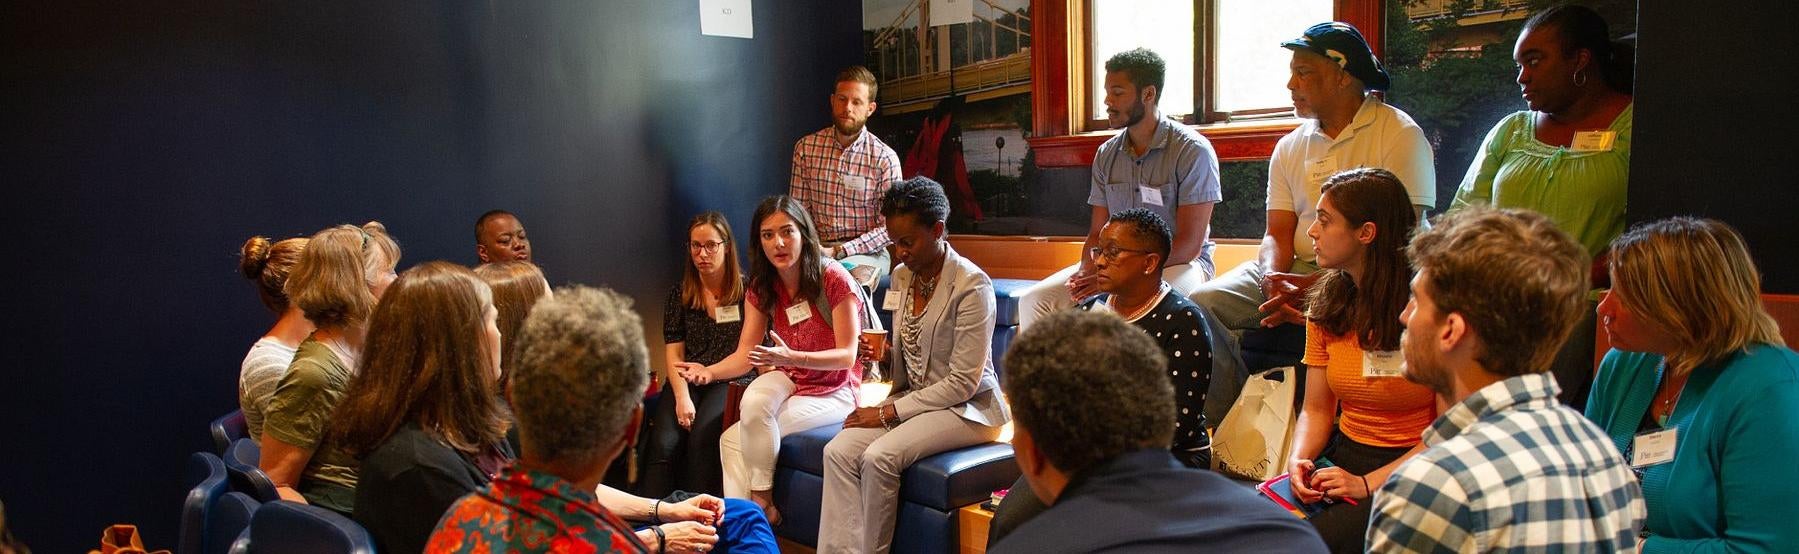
<point x="727" y="314"/>
<point x="1382" y="364"/>
<point x="1652" y="448"/>
<point x="891" y="301"/>
<point x="798" y="313"/>
<point x="1320" y="169"/>
<point x="1150" y="195"/>
<point x="855" y="182"/>
<point x="1593" y="141"/>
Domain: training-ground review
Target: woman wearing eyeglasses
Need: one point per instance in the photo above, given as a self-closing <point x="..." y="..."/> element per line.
<point x="1127" y="270"/>
<point x="701" y="322"/>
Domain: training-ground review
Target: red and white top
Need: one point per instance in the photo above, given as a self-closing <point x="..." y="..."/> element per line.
<point x="812" y="334"/>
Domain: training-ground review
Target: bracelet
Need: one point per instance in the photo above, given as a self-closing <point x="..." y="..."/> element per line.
<point x="1365" y="485"/>
<point x="887" y="422"/>
<point x="661" y="540"/>
<point x="656" y="514"/>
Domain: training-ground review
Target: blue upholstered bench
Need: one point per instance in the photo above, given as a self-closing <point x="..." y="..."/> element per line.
<point x="932" y="490"/>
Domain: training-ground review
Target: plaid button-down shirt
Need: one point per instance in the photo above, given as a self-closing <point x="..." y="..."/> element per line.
<point x="1510" y="469"/>
<point x="842" y="187"/>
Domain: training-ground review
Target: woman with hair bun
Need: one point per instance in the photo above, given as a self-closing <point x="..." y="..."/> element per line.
<point x="267" y="264"/>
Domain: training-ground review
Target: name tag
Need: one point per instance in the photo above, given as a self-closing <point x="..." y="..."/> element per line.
<point x="855" y="182"/>
<point x="1383" y="364"/>
<point x="798" y="313"/>
<point x="1652" y="448"/>
<point x="727" y="314"/>
<point x="1150" y="195"/>
<point x="1320" y="169"/>
<point x="1593" y="141"/>
<point x="891" y="300"/>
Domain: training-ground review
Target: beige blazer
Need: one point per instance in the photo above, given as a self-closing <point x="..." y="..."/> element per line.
<point x="957" y="335"/>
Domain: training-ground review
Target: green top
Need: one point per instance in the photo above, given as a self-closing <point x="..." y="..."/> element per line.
<point x="298" y="414"/>
<point x="1727" y="487"/>
<point x="1583" y="192"/>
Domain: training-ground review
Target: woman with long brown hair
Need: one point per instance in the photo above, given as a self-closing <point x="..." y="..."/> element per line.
<point x="1699" y="391"/>
<point x="340" y="277"/>
<point x="268" y="263"/>
<point x="517" y="285"/>
<point x="1360" y="412"/>
<point x="701" y="322"/>
<point x="424" y="414"/>
<point x="806" y="306"/>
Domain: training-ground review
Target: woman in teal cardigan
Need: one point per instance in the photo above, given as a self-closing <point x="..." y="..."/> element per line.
<point x="1697" y="365"/>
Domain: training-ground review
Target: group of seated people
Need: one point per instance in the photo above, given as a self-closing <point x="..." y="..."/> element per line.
<point x="450" y="409"/>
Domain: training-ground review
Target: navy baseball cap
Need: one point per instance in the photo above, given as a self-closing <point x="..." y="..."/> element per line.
<point x="1342" y="43"/>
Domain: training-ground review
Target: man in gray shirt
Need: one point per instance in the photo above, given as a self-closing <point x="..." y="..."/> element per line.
<point x="1155" y="163"/>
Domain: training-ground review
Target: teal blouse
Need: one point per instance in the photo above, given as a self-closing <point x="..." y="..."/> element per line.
<point x="1583" y="192"/>
<point x="1729" y="487"/>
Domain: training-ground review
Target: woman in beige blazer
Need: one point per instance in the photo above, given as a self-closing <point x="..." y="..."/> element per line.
<point x="945" y="393"/>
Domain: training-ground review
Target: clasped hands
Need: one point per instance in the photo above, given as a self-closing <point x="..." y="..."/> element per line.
<point x="1311" y="484"/>
<point x="692" y="524"/>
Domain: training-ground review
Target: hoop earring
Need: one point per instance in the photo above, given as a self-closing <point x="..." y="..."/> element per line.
<point x="1580" y="79"/>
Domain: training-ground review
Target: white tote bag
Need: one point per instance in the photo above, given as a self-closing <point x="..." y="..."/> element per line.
<point x="1253" y="440"/>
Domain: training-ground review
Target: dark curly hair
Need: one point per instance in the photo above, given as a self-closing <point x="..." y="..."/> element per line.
<point x="919" y="197"/>
<point x="1149" y="227"/>
<point x="1089" y="387"/>
<point x="1145" y="68"/>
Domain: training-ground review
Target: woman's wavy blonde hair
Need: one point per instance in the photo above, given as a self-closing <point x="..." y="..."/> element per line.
<point x="333" y="284"/>
<point x="1694" y="279"/>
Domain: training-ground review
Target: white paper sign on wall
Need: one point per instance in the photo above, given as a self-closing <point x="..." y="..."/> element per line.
<point x="728" y="18"/>
<point x="951" y="12"/>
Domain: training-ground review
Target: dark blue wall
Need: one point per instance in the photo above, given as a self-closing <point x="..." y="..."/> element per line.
<point x="144" y="142"/>
<point x="1714" y="125"/>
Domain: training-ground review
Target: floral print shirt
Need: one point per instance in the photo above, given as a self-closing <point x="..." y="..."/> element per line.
<point x="531" y="511"/>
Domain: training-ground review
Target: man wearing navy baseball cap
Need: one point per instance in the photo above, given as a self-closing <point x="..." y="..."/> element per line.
<point x="1344" y="127"/>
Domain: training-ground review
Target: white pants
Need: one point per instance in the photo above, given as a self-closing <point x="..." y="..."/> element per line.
<point x="1051" y="294"/>
<point x="862" y="476"/>
<point x="770" y="411"/>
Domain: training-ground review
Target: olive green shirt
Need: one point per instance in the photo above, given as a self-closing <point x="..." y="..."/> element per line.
<point x="299" y="413"/>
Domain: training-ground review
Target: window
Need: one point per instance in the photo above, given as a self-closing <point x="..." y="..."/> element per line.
<point x="1239" y="100"/>
<point x="1245" y="74"/>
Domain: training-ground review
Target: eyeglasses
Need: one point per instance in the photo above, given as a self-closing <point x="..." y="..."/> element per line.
<point x="708" y="246"/>
<point x="1110" y="253"/>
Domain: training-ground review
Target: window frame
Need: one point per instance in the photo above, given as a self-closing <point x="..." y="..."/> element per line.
<point x="1061" y="83"/>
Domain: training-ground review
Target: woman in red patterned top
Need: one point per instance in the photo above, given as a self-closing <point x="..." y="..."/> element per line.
<point x="805" y="307"/>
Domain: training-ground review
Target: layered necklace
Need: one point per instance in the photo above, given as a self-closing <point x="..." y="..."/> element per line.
<point x="912" y="324"/>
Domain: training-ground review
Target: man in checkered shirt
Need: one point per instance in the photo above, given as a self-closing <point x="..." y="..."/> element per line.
<point x="840" y="174"/>
<point x="1506" y="467"/>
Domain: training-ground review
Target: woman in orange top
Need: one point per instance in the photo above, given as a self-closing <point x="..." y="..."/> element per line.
<point x="1352" y="355"/>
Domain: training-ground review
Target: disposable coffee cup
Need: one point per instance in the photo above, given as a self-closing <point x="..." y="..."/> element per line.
<point x="877" y="341"/>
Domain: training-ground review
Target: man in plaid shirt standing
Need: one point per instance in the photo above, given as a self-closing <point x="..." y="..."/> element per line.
<point x="1506" y="467"/>
<point x="840" y="174"/>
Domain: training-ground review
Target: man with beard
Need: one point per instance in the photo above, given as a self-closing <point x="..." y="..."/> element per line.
<point x="840" y="174"/>
<point x="1155" y="163"/>
<point x="499" y="237"/>
<point x="1506" y="467"/>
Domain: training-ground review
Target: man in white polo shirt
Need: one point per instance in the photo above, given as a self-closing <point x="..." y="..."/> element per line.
<point x="1345" y="127"/>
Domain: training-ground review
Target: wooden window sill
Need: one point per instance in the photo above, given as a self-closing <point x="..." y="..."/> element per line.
<point x="1234" y="142"/>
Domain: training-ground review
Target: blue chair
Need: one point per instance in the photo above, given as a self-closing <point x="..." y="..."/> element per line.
<point x="230" y="518"/>
<point x="241" y="466"/>
<point x="283" y="527"/>
<point x="228" y="428"/>
<point x="206" y="473"/>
